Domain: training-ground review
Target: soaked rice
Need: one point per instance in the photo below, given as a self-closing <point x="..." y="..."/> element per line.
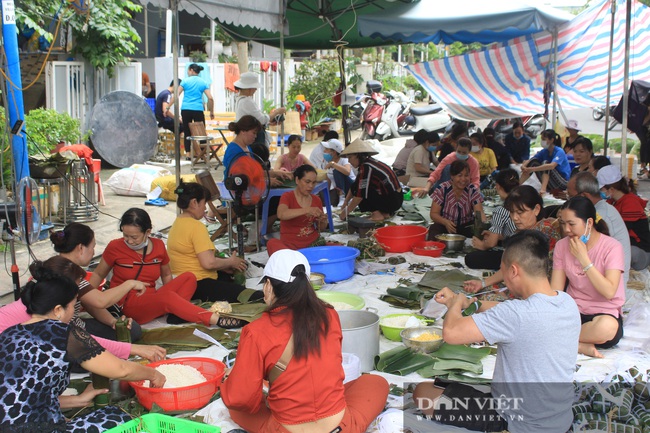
<point x="178" y="375"/>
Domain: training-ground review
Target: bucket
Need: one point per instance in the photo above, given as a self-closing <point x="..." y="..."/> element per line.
<point x="351" y="367"/>
<point x="361" y="336"/>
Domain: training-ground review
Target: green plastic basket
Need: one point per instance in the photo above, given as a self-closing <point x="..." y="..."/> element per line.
<point x="159" y="423"/>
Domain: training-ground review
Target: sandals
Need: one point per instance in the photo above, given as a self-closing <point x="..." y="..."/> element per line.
<point x="230" y="322"/>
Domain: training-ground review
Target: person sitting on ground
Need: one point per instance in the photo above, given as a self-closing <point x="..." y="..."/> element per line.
<point x="621" y="193"/>
<point x="190" y="249"/>
<point x="535" y="360"/>
<point x="401" y="160"/>
<point x="572" y="139"/>
<point x="502" y="226"/>
<point x="137" y="256"/>
<point x="300" y="213"/>
<point x="164" y="114"/>
<point x="339" y="170"/>
<point x="517" y="144"/>
<point x="549" y="164"/>
<point x="500" y="151"/>
<point x="308" y="395"/>
<point x="592" y="262"/>
<point x="525" y="206"/>
<point x="37" y="356"/>
<point x="454" y="203"/>
<point x="583" y="152"/>
<point x="450" y="142"/>
<point x="442" y="174"/>
<point x="316" y="155"/>
<point x="293" y="159"/>
<point x="598" y="162"/>
<point x="585" y="184"/>
<point x="424" y="155"/>
<point x="487" y="161"/>
<point x="376" y="188"/>
<point x="15" y="313"/>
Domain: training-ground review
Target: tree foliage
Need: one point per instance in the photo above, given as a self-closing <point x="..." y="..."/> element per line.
<point x="102" y="33"/>
<point x="318" y="81"/>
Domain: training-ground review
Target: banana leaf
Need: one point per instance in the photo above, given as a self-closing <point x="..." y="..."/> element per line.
<point x="401" y="361"/>
<point x="406" y="292"/>
<point x="399" y="302"/>
<point x="456" y="364"/>
<point x="452" y="278"/>
<point x="182" y="337"/>
<point x="461" y="352"/>
<point x="245" y="295"/>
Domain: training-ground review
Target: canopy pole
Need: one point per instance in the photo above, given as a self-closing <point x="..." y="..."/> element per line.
<point x="555" y="115"/>
<point x="626" y="83"/>
<point x="177" y="109"/>
<point x="609" y="80"/>
<point x="345" y="109"/>
<point x="282" y="101"/>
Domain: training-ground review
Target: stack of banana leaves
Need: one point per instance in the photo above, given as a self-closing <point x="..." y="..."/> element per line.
<point x="450" y="361"/>
<point x="409" y="295"/>
<point x="177" y="338"/>
<point x="618" y="406"/>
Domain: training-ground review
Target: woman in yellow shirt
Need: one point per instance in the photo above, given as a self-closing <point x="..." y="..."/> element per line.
<point x="487" y="161"/>
<point x="190" y="249"/>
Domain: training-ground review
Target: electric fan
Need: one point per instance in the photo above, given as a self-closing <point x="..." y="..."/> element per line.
<point x="28" y="219"/>
<point x="248" y="183"/>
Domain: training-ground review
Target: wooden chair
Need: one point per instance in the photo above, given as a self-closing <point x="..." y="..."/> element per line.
<point x="205" y="178"/>
<point x="202" y="147"/>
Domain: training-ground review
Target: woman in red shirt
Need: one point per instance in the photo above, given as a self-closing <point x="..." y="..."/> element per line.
<point x="300" y="212"/>
<point x="139" y="257"/>
<point x="309" y="395"/>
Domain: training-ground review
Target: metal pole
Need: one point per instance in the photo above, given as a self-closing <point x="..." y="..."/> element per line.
<point x="14" y="97"/>
<point x="609" y="80"/>
<point x="626" y="80"/>
<point x="282" y="101"/>
<point x="554" y="115"/>
<point x="146" y="32"/>
<point x="177" y="110"/>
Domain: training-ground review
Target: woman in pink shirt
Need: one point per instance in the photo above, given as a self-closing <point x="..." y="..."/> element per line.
<point x="294" y="159"/>
<point x="592" y="262"/>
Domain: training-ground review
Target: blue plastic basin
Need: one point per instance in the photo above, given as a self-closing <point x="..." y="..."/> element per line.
<point x="336" y="263"/>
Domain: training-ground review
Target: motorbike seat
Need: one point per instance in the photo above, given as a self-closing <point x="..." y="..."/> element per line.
<point x="423" y="111"/>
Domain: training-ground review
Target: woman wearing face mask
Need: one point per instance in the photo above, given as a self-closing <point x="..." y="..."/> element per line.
<point x="593" y="264"/>
<point x="441" y="173"/>
<point x="339" y="169"/>
<point x="550" y="164"/>
<point x="487" y="161"/>
<point x="454" y="203"/>
<point x="620" y="193"/>
<point x="139" y="257"/>
<point x="525" y="206"/>
<point x="423" y="156"/>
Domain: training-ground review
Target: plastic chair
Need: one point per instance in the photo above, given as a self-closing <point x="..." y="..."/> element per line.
<point x="205" y="178"/>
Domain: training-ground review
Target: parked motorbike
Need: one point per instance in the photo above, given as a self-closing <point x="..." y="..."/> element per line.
<point x="411" y="119"/>
<point x="533" y="125"/>
<point x="599" y="112"/>
<point x="372" y="116"/>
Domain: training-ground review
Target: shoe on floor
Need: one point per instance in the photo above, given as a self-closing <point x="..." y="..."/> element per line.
<point x="341" y="201"/>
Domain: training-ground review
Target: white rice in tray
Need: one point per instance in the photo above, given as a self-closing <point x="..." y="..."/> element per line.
<point x="341" y="305"/>
<point x="401" y="321"/>
<point x="178" y="376"/>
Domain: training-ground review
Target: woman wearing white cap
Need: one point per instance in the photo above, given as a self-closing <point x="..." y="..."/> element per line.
<point x="376" y="188"/>
<point x="572" y="139"/>
<point x="621" y="193"/>
<point x="247" y="85"/>
<point x="301" y="358"/>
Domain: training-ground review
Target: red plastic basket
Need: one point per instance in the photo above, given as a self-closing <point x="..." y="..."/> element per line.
<point x="428" y="248"/>
<point x="400" y="239"/>
<point x="188" y="397"/>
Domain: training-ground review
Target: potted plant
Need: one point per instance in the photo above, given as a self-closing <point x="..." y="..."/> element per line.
<point x="221" y="40"/>
<point x="198" y="56"/>
<point x="48" y="131"/>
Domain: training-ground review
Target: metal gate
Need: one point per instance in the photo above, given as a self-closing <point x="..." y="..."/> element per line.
<point x="65" y="88"/>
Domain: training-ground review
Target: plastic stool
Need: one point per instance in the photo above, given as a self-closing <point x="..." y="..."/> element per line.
<point x="95" y="170"/>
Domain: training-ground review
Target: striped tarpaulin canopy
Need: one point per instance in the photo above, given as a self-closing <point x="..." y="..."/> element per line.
<point x="508" y="80"/>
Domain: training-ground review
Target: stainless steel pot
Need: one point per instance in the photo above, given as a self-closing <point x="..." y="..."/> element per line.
<point x="453" y="242"/>
<point x="120" y="390"/>
<point x="361" y="336"/>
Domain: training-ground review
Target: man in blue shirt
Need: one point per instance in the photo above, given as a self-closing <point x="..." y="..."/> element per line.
<point x="518" y="144"/>
<point x="550" y="164"/>
<point x="164" y="115"/>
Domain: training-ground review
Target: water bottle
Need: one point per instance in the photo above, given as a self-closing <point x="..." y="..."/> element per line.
<point x="181" y="52"/>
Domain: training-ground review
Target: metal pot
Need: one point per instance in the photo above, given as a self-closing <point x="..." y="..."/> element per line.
<point x="361" y="336"/>
<point x="120" y="390"/>
<point x="453" y="242"/>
